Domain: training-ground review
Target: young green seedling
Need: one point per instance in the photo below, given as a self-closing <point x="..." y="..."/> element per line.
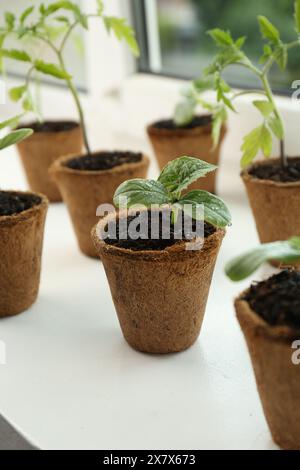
<point x="244" y="265"/>
<point x="15" y="136"/>
<point x="231" y="53"/>
<point x="40" y="29"/>
<point x="167" y="191"/>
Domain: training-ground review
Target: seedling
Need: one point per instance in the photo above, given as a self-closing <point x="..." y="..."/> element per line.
<point x="275" y="51"/>
<point x="244" y="265"/>
<point x="167" y="191"/>
<point x="13" y="137"/>
<point x="38" y="23"/>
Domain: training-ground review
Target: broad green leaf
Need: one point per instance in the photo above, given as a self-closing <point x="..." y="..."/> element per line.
<point x="215" y="210"/>
<point x="51" y="69"/>
<point x="15" y="54"/>
<point x="244" y="265"/>
<point x="12" y="122"/>
<point x="122" y="31"/>
<point x="259" y="138"/>
<point x="276" y="126"/>
<point x="281" y="56"/>
<point x="268" y="30"/>
<point x="221" y="37"/>
<point x="184" y="112"/>
<point x="9" y="20"/>
<point x="297" y="15"/>
<point x="14" y="137"/>
<point x="265" y="107"/>
<point x="70" y="6"/>
<point x="180" y="173"/>
<point x="17" y="92"/>
<point x="25" y="14"/>
<point x="140" y="192"/>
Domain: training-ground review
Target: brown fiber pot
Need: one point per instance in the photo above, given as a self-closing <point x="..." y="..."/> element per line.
<point x="40" y="150"/>
<point x="277" y="378"/>
<point x="169" y="144"/>
<point x="160" y="296"/>
<point x="84" y="191"/>
<point x="21" y="242"/>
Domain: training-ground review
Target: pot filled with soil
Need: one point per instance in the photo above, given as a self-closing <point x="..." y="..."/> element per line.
<point x="50" y="140"/>
<point x="159" y="287"/>
<point x="159" y="257"/>
<point x="269" y="315"/>
<point x="88" y="181"/>
<point x="22" y="219"/>
<point x="169" y="141"/>
<point x="274" y="196"/>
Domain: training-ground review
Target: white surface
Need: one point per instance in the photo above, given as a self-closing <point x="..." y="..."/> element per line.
<point x="72" y="382"/>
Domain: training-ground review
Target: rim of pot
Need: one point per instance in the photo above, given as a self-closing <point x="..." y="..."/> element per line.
<point x="26" y="214"/>
<point x="281" y="333"/>
<point x="198" y="130"/>
<point x="177" y="251"/>
<point x="59" y="164"/>
<point x="246" y="176"/>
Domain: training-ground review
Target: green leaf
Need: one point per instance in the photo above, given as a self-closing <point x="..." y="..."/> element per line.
<point x="180" y="173"/>
<point x="122" y="31"/>
<point x="203" y="84"/>
<point x="12" y="122"/>
<point x="100" y="7"/>
<point x="215" y="210"/>
<point x="297" y="15"/>
<point x="140" y="192"/>
<point x="259" y="138"/>
<point x="15" y="54"/>
<point x="17" y="92"/>
<point x="9" y="20"/>
<point x="276" y="126"/>
<point x="184" y="112"/>
<point x="221" y="37"/>
<point x="25" y="14"/>
<point x="219" y="118"/>
<point x="265" y="107"/>
<point x="240" y="42"/>
<point x="244" y="265"/>
<point x="281" y="56"/>
<point x="70" y="6"/>
<point x="268" y="52"/>
<point x="62" y="19"/>
<point x="14" y="137"/>
<point x="28" y="104"/>
<point x="51" y="69"/>
<point x="268" y="30"/>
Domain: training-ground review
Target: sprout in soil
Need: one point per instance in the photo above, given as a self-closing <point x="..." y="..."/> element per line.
<point x="167" y="191"/>
<point x="14" y="136"/>
<point x="244" y="265"/>
<point x="275" y="51"/>
<point x="52" y="25"/>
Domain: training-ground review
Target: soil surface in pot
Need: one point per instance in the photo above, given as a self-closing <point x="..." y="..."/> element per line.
<point x="124" y="239"/>
<point x="275" y="172"/>
<point x="14" y="203"/>
<point x="103" y="161"/>
<point x="277" y="300"/>
<point x="52" y="126"/>
<point x="169" y="124"/>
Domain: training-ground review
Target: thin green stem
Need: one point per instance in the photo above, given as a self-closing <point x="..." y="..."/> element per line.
<point x="248" y="92"/>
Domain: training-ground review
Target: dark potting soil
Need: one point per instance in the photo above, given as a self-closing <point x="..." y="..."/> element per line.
<point x="277" y="300"/>
<point x="169" y="124"/>
<point x="145" y="242"/>
<point x="275" y="172"/>
<point x="51" y="126"/>
<point x="103" y="161"/>
<point x="14" y="203"/>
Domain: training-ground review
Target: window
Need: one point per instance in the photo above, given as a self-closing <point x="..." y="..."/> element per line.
<point x="174" y="40"/>
<point x="75" y="57"/>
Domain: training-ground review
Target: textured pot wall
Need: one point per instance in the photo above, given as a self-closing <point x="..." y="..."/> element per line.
<point x="160" y="297"/>
<point x="277" y="378"/>
<point x="21" y="242"/>
<point x="40" y="150"/>
<point x="169" y="145"/>
<point x="84" y="191"/>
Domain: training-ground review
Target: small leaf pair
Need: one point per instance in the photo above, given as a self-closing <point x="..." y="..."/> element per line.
<point x="15" y="136"/>
<point x="167" y="190"/>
